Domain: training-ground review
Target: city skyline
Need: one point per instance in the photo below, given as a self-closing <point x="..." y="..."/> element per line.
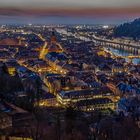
<point x="70" y="69"/>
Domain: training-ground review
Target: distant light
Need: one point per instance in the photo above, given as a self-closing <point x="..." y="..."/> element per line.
<point x="30" y="24"/>
<point x="105" y="26"/>
<point x="2" y="26"/>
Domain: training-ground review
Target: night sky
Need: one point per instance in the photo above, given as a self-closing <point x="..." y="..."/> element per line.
<point x="68" y="11"/>
<point x="69" y="3"/>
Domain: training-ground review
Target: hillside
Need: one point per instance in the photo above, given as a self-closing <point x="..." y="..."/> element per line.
<point x="131" y="29"/>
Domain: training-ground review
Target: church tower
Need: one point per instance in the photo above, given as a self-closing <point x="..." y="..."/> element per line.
<point x="53" y="38"/>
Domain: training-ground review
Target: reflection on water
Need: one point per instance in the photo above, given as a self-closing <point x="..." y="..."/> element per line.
<point x="124" y="53"/>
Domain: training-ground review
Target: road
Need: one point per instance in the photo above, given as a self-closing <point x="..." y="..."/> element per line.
<point x="95" y="38"/>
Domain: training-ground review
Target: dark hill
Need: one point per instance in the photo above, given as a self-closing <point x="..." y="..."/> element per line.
<point x="131" y="29"/>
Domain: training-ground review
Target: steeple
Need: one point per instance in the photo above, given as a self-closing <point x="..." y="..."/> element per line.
<point x="53" y="38"/>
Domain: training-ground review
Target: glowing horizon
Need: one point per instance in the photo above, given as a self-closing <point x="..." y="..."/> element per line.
<point x="125" y="9"/>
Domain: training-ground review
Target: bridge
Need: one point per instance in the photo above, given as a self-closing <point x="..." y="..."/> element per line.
<point x="130" y="47"/>
<point x="130" y="57"/>
<point x="133" y="48"/>
<point x="133" y="56"/>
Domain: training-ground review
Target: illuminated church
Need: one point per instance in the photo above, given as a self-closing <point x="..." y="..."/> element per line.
<point x="54" y="46"/>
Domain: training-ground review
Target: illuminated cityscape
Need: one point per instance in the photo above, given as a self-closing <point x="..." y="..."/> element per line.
<point x="73" y="81"/>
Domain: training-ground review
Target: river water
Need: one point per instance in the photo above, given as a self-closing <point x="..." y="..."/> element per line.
<point x="124" y="53"/>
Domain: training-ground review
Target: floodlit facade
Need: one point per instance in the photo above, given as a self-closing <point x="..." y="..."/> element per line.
<point x="68" y="97"/>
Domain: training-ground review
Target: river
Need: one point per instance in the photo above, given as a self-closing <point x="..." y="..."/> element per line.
<point x="124" y="53"/>
<point x="114" y="51"/>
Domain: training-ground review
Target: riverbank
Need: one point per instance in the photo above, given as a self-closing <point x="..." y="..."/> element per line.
<point x="123" y="53"/>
